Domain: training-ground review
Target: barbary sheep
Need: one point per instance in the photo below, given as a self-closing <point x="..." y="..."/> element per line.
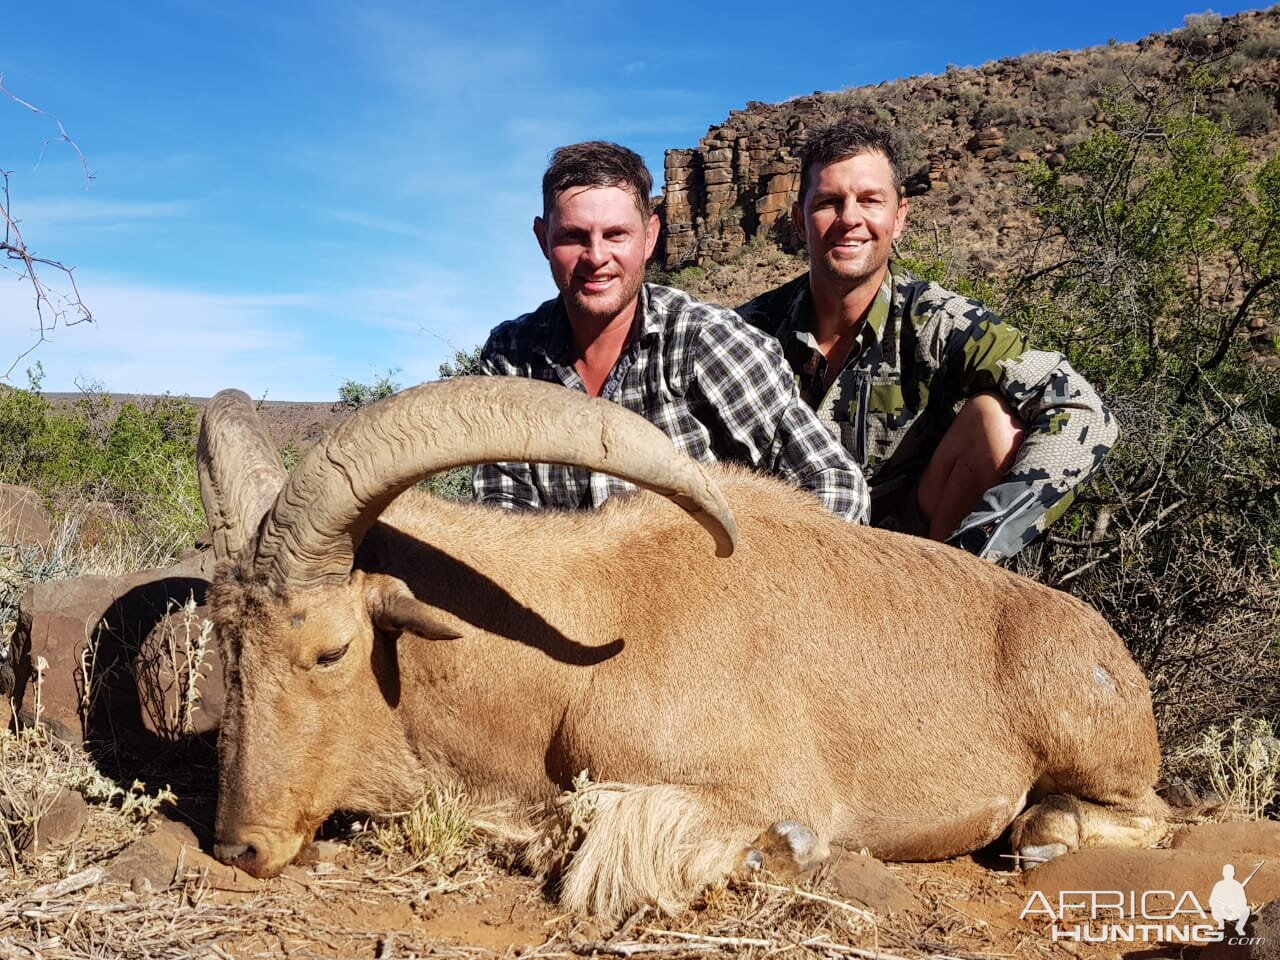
<point x="819" y="683"/>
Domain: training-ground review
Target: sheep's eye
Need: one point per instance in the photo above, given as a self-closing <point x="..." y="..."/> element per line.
<point x="331" y="657"/>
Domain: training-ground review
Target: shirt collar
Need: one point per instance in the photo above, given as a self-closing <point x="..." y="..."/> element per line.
<point x="650" y="324"/>
<point x="799" y="316"/>
<point x="558" y="341"/>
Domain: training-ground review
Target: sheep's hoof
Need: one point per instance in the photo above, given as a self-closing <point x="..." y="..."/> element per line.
<point x="1032" y="855"/>
<point x="788" y="849"/>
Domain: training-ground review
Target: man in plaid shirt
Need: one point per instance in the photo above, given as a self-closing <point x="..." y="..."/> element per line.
<point x="719" y="388"/>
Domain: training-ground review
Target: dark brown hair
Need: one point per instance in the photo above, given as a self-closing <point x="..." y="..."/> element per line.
<point x="845" y="138"/>
<point x="596" y="163"/>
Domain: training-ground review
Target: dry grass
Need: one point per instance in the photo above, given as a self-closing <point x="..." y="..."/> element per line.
<point x="434" y="830"/>
<point x="169" y="671"/>
<point x="1240" y="763"/>
<point x="35" y="769"/>
<point x="84" y="916"/>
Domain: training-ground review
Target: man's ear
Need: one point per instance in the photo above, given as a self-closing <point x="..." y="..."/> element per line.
<point x="540" y="231"/>
<point x="396" y="610"/>
<point x="797" y="222"/>
<point x="900" y="220"/>
<point x="651" y="236"/>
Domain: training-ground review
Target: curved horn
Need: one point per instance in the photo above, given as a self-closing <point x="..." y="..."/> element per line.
<point x="343" y="483"/>
<point x="240" y="471"/>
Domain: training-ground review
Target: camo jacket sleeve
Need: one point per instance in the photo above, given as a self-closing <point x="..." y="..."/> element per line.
<point x="1068" y="429"/>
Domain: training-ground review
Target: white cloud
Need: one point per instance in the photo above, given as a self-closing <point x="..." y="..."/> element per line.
<point x="157" y="340"/>
<point x="389" y="225"/>
<point x="288" y="345"/>
<point x="64" y="212"/>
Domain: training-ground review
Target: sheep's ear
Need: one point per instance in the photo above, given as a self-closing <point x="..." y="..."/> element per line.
<point x="396" y="610"/>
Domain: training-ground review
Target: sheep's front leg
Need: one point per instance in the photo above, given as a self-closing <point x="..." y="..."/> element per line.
<point x="660" y="845"/>
<point x="787" y="849"/>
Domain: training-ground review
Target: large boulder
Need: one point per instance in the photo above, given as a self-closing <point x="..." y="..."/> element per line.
<point x="125" y="662"/>
<point x="24" y="521"/>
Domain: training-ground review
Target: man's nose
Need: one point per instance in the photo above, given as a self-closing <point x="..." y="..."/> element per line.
<point x="594" y="252"/>
<point x="849" y="213"/>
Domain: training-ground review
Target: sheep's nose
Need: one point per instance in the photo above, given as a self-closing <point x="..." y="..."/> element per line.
<point x="243" y="855"/>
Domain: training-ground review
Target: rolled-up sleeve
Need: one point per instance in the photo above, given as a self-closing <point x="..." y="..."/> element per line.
<point x="741" y="378"/>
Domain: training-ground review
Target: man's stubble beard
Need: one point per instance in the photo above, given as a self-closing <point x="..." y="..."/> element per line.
<point x="846" y="276"/>
<point x="598" y="313"/>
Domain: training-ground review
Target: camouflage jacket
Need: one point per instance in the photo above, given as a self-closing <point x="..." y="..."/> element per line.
<point x="922" y="352"/>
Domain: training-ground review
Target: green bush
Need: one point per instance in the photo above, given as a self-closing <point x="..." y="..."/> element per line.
<point x="1163" y="244"/>
<point x="465" y="363"/>
<point x="136" y="461"/>
<point x="354" y="394"/>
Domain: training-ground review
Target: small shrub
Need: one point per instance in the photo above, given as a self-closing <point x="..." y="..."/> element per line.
<point x="353" y="394"/>
<point x="35" y="768"/>
<point x="1251" y="114"/>
<point x="169" y="677"/>
<point x="1240" y="763"/>
<point x="434" y="830"/>
<point x="453" y="484"/>
<point x="464" y="364"/>
<point x="1262" y="46"/>
<point x="688" y="277"/>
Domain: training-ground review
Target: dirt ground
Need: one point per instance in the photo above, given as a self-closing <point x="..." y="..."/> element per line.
<point x="153" y="891"/>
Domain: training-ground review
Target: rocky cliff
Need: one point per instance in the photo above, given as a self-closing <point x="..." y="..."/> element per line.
<point x="965" y="135"/>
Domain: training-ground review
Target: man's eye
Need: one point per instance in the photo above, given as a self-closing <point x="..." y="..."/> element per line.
<point x="330" y="657"/>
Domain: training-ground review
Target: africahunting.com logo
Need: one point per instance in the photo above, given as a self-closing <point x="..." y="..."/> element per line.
<point x="1148" y="916"/>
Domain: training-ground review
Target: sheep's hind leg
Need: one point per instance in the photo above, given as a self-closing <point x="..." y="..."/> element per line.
<point x="1059" y="823"/>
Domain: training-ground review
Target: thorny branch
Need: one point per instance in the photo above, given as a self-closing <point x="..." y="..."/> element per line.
<point x="52" y="306"/>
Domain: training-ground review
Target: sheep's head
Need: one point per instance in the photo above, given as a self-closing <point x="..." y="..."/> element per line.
<point x="310" y="724"/>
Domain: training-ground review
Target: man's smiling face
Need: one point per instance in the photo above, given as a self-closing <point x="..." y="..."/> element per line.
<point x="597" y="243"/>
<point x="849" y="218"/>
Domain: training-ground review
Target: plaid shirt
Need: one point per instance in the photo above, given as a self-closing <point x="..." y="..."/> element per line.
<point x="922" y="351"/>
<point x="721" y="390"/>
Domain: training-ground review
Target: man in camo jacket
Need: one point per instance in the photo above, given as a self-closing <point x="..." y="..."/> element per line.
<point x="966" y="434"/>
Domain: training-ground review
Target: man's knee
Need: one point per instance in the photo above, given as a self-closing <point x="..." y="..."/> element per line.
<point x="987" y="433"/>
<point x="974" y="455"/>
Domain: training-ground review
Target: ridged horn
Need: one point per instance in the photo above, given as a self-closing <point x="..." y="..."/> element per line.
<point x="240" y="471"/>
<point x="344" y="482"/>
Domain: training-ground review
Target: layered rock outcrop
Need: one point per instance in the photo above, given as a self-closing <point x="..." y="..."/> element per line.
<point x="966" y="135"/>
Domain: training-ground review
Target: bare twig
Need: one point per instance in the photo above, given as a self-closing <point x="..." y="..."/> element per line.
<point x="806" y="895"/>
<point x="633" y="949"/>
<point x="1137" y="536"/>
<point x="51" y="306"/>
<point x="91" y="876"/>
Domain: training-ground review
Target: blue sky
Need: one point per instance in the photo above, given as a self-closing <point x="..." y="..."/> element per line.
<point x="288" y="195"/>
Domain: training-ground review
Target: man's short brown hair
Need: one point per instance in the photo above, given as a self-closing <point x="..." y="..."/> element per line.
<point x="845" y="138"/>
<point x="596" y="163"/>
